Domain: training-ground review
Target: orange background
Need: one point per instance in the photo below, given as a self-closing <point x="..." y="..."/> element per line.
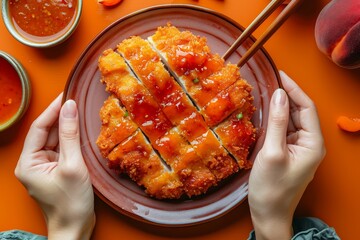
<point x="334" y="194"/>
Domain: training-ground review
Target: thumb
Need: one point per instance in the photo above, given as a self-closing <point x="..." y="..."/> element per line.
<point x="69" y="133"/>
<point x="278" y="121"/>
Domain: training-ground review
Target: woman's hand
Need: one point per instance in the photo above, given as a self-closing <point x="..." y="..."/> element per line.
<point x="58" y="179"/>
<point x="292" y="151"/>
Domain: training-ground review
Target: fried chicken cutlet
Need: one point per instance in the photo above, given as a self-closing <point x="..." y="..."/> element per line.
<point x="178" y="119"/>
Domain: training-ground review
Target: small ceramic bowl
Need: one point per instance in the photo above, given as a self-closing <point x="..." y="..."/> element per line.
<point x="25" y="89"/>
<point x="30" y="36"/>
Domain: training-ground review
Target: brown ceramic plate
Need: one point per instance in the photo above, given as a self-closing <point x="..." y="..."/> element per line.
<point x="85" y="88"/>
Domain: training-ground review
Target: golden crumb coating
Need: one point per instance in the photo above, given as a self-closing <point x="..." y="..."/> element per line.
<point x="178" y="119"/>
<point x="116" y="125"/>
<point x="137" y="159"/>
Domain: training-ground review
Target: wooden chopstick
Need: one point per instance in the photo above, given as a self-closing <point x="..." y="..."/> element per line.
<point x="274" y="26"/>
<point x="268" y="10"/>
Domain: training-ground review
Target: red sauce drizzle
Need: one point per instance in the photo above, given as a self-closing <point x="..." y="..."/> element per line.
<point x="148" y="116"/>
<point x="10" y="91"/>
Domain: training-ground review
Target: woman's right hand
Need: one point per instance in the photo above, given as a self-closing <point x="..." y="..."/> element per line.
<point x="287" y="162"/>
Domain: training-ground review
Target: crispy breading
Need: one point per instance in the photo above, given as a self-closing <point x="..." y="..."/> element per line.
<point x="226" y="102"/>
<point x="237" y="134"/>
<point x="178" y="120"/>
<point x="136" y="158"/>
<point x="175" y="104"/>
<point x="116" y="125"/>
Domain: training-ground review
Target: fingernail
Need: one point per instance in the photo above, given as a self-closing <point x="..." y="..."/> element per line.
<point x="69" y="109"/>
<point x="280" y="97"/>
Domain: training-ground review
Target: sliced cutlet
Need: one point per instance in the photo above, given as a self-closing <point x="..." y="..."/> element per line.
<point x="200" y="72"/>
<point x="174" y="102"/>
<point x="188" y="55"/>
<point x="226" y="102"/>
<point x="237" y="134"/>
<point x="195" y="111"/>
<point x="136" y="158"/>
<point x="141" y="106"/>
<point x="183" y="159"/>
<point x="115" y="125"/>
<point x="208" y="147"/>
<point x="207" y="88"/>
<point x="148" y="67"/>
<point x="147" y="114"/>
<point x="218" y="94"/>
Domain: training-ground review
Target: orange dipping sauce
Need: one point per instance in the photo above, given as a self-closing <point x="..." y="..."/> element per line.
<point x="42" y="18"/>
<point x="10" y="91"/>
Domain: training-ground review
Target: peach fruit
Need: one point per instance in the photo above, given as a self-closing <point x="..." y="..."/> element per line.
<point x="337" y="32"/>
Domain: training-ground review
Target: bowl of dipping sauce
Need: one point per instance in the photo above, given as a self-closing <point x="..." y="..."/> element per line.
<point x="41" y="23"/>
<point x="14" y="91"/>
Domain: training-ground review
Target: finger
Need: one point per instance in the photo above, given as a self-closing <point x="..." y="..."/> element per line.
<point x="295" y="115"/>
<point x="292" y="124"/>
<point x="51" y="156"/>
<point x="292" y="137"/>
<point x="278" y="122"/>
<point x="53" y="138"/>
<point x="294" y="91"/>
<point x="69" y="134"/>
<point x="303" y="110"/>
<point x="39" y="130"/>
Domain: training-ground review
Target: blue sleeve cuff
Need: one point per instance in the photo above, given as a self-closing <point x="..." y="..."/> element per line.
<point x="308" y="229"/>
<point x="20" y="235"/>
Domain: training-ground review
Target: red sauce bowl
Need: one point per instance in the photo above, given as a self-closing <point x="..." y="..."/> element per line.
<point x="43" y="23"/>
<point x="15" y="91"/>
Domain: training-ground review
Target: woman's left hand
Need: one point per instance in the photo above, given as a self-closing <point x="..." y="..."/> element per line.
<point x="52" y="169"/>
